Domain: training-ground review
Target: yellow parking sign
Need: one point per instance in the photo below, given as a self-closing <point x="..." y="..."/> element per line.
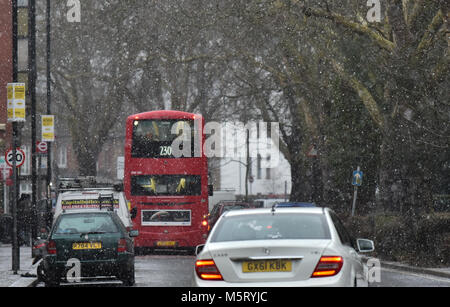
<point x="48" y="128"/>
<point x="16" y="102"/>
<point x="10" y="91"/>
<point x="19" y="91"/>
<point x="47" y="120"/>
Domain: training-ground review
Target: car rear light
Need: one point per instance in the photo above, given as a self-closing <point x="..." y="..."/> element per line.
<point x="122" y="246"/>
<point x="206" y="269"/>
<point x="51" y="247"/>
<point x="328" y="266"/>
<point x="39" y="246"/>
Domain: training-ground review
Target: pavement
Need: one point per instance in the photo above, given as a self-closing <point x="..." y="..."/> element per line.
<point x="439" y="272"/>
<point x="9" y="279"/>
<point x="7" y="276"/>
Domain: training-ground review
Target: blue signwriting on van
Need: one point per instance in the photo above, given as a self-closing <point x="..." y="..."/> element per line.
<point x="295" y="204"/>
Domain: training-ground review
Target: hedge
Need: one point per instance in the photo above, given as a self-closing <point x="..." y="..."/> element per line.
<point x="421" y="240"/>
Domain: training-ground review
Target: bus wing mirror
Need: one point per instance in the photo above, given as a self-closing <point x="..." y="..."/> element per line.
<point x="210" y="190"/>
<point x="133" y="213"/>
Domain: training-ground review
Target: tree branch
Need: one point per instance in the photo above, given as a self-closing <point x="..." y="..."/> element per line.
<point x="363" y="93"/>
<point x="427" y="38"/>
<point x="353" y="25"/>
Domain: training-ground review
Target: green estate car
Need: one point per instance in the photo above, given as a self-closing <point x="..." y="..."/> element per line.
<point x="89" y="244"/>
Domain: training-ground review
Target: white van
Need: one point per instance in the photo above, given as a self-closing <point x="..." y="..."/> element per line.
<point x="85" y="199"/>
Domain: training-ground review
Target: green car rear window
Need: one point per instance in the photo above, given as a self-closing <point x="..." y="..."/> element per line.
<point x="86" y="223"/>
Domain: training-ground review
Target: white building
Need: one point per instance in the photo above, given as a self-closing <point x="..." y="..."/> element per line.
<point x="270" y="172"/>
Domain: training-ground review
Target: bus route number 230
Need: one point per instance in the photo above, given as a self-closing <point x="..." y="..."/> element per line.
<point x="165" y="150"/>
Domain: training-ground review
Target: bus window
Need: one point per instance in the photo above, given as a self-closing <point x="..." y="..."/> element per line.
<point x="149" y="185"/>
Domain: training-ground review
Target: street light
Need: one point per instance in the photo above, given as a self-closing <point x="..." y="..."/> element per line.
<point x="32" y="76"/>
<point x="49" y="97"/>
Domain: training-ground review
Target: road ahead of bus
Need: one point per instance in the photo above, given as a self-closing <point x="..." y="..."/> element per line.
<point x="165" y="270"/>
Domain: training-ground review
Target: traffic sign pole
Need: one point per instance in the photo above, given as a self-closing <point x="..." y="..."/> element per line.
<point x="15" y="239"/>
<point x="32" y="77"/>
<point x="355" y="194"/>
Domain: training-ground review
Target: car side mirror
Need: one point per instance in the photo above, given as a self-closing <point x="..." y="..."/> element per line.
<point x="210" y="190"/>
<point x="43" y="236"/>
<point x="365" y="246"/>
<point x="134" y="233"/>
<point x="199" y="248"/>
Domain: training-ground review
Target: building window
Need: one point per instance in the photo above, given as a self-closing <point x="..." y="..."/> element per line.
<point x="25" y="188"/>
<point x="25" y="169"/>
<point x="268" y="175"/>
<point x="258" y="167"/>
<point x="62" y="156"/>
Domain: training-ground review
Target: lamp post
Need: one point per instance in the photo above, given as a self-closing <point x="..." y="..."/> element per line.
<point x="32" y="76"/>
<point x="15" y="242"/>
<point x="49" y="97"/>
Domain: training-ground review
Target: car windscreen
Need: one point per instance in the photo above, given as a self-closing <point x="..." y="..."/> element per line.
<point x="271" y="227"/>
<point x="86" y="223"/>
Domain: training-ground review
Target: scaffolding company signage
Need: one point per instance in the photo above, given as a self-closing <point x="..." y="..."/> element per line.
<point x="16" y="102"/>
<point x="67" y="204"/>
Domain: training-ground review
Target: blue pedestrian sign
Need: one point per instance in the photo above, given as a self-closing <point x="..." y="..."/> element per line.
<point x="357" y="178"/>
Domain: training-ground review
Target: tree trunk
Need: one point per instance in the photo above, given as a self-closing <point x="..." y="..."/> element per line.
<point x="387" y="174"/>
<point x="87" y="164"/>
<point x="300" y="190"/>
<point x="404" y="180"/>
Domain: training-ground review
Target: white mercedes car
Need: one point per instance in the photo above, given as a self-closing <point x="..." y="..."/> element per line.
<point x="272" y="247"/>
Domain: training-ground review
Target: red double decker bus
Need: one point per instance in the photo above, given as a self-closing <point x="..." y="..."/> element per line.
<point x="166" y="179"/>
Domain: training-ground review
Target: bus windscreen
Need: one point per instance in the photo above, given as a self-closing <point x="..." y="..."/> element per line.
<point x="154" y="138"/>
<point x="166" y="185"/>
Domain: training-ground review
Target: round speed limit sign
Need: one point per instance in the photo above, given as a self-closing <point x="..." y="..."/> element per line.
<point x="20" y="157"/>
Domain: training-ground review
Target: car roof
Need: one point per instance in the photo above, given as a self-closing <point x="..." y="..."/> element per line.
<point x="306" y="210"/>
<point x="88" y="192"/>
<point x="295" y="204"/>
<point x="231" y="201"/>
<point x="234" y="203"/>
<point x="90" y="211"/>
